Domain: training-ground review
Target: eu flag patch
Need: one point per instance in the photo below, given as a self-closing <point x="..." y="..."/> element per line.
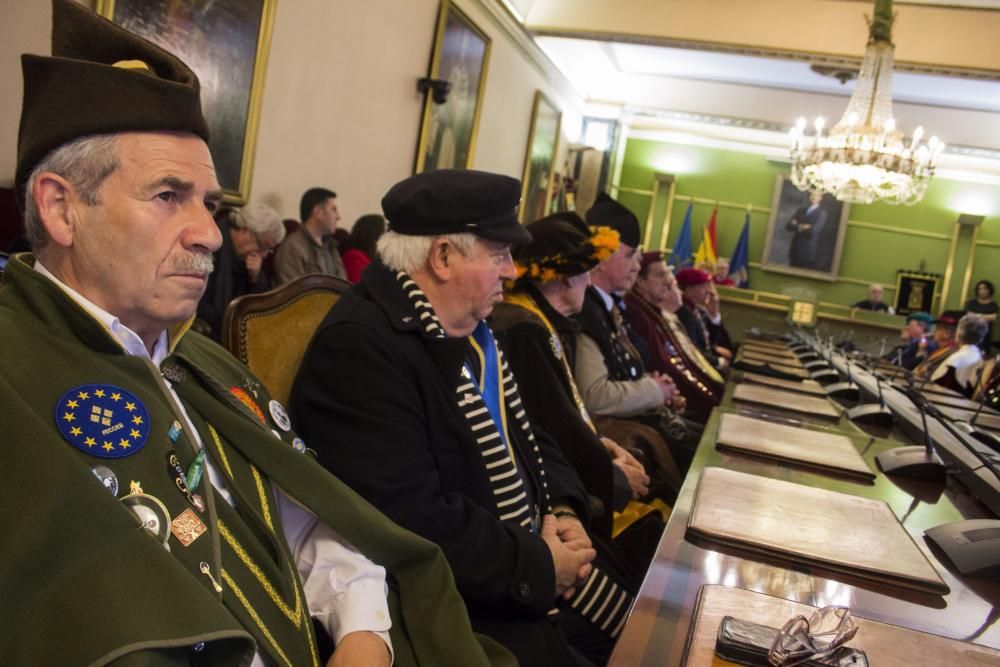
<point x="103" y="420"/>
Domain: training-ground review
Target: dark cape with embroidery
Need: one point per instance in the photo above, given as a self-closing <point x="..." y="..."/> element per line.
<point x="379" y="377"/>
<point x="77" y="555"/>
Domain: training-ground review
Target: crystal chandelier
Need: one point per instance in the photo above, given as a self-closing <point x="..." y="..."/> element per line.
<point x="864" y="158"/>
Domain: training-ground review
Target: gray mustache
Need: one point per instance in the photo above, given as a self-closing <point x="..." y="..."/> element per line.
<point x="193" y="263"/>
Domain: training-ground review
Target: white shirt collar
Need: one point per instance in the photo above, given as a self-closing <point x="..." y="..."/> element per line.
<point x="606" y="298"/>
<point x="128" y="339"/>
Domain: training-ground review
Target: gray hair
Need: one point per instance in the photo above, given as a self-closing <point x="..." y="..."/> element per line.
<point x="402" y="252"/>
<point x="971" y="329"/>
<point x="85" y="163"/>
<point x="260" y="219"/>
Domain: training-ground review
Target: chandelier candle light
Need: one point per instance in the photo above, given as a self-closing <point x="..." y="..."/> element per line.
<point x="864" y="158"/>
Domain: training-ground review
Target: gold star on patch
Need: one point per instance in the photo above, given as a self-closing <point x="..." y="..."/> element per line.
<point x="124" y="444"/>
<point x="69" y="416"/>
<point x="129" y="406"/>
<point x="134" y="433"/>
<point x="90" y="442"/>
<point x="107" y="446"/>
<point x="137" y="420"/>
<point x="71" y="404"/>
<point x="76" y="431"/>
<point x="83" y="395"/>
<point x="99" y="393"/>
<point x="116" y="396"/>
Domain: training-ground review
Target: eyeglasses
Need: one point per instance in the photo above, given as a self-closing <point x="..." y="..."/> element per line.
<point x="802" y="639"/>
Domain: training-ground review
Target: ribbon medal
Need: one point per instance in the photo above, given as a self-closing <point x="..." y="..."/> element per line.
<point x="103" y="420"/>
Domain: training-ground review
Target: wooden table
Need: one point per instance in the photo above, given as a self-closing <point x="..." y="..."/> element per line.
<point x="657" y="628"/>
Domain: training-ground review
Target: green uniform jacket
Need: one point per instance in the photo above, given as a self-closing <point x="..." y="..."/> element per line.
<point x="82" y="583"/>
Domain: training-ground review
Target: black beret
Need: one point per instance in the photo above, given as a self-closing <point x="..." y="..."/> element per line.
<point x="606" y="212"/>
<point x="100" y="79"/>
<point x="562" y="245"/>
<point x="453" y="201"/>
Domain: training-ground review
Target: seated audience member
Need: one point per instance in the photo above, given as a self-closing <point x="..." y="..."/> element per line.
<point x="534" y="328"/>
<point x="944" y="344"/>
<point x="359" y="249"/>
<point x="721" y="275"/>
<point x="311" y="248"/>
<point x="431" y="429"/>
<point x="609" y="367"/>
<point x="874" y="301"/>
<point x="654" y="295"/>
<point x="959" y="370"/>
<point x="218" y="565"/>
<point x="916" y="345"/>
<point x="984" y="306"/>
<point x="701" y="317"/>
<point x="249" y="235"/>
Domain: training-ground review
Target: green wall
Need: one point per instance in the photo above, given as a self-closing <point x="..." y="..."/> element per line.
<point x="869" y="255"/>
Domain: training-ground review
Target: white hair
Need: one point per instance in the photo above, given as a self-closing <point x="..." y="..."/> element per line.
<point x="85" y="163"/>
<point x="260" y="219"/>
<point x="402" y="252"/>
<point x="971" y="329"/>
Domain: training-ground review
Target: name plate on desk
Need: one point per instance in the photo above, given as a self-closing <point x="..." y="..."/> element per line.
<point x="810" y="526"/>
<point x="785" y="400"/>
<point x="826" y="451"/>
<point x="883" y="644"/>
<point x="805" y="387"/>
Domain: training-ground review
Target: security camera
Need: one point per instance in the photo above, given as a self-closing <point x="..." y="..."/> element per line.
<point x="439" y="88"/>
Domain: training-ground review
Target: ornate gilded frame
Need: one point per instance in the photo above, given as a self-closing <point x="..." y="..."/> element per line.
<point x="440" y="119"/>
<point x="540" y="158"/>
<point x="235" y="100"/>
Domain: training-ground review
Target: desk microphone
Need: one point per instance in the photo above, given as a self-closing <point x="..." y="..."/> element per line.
<point x="917" y="461"/>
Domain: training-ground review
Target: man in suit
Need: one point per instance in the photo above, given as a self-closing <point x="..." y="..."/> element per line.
<point x="807" y="224"/>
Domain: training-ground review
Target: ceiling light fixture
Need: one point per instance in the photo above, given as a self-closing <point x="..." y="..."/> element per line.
<point x="864" y="158"/>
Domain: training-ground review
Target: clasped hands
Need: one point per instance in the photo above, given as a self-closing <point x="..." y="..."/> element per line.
<point x="572" y="551"/>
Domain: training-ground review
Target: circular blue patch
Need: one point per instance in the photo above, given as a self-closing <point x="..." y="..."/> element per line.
<point x="103" y="420"/>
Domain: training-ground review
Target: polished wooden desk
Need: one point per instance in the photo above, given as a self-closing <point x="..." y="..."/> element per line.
<point x="657" y="628"/>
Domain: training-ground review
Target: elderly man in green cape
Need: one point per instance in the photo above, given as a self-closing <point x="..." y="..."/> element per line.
<point x="159" y="505"/>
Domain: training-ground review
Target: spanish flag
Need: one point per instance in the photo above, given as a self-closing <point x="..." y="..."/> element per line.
<point x="706" y="255"/>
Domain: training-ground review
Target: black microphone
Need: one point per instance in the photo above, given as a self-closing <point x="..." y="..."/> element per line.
<point x="924" y="406"/>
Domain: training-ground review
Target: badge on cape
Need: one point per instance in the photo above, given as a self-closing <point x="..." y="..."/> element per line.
<point x="103" y="420"/>
<point x="299" y="445"/>
<point x="245" y="399"/>
<point x="279" y="415"/>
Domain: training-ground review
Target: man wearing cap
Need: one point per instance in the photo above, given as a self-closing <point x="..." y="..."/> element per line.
<point x="650" y="308"/>
<point x="944" y="343"/>
<point x="406" y="396"/>
<point x="175" y="518"/>
<point x="700" y="315"/>
<point x="311" y="248"/>
<point x="915" y="346"/>
<point x="533" y="324"/>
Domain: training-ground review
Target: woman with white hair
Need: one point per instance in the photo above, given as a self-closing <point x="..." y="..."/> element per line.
<point x="960" y="370"/>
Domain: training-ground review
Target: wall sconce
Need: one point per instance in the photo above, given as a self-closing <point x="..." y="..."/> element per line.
<point x="439" y="88"/>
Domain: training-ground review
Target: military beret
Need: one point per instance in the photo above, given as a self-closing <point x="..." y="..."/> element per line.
<point x="100" y="79"/>
<point x="691" y="278"/>
<point x="453" y="201"/>
<point x="562" y="245"/>
<point x="606" y="212"/>
<point x="651" y="257"/>
<point x="950" y="318"/>
<point x="920" y="316"/>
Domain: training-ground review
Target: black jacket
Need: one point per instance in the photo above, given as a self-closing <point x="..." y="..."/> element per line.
<point x="228" y="281"/>
<point x="375" y="397"/>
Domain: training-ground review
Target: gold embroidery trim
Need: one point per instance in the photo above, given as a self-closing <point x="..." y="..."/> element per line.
<point x="293" y="616"/>
<point x="263" y="497"/>
<point x="222" y="452"/>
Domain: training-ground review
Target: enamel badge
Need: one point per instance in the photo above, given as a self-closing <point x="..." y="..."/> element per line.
<point x="103" y="420"/>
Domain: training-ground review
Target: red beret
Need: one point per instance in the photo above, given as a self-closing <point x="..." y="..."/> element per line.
<point x="651" y="257"/>
<point x="691" y="278"/>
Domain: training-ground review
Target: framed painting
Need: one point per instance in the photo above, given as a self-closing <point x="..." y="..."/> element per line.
<point x="461" y="56"/>
<point x="805" y="234"/>
<point x="226" y="43"/>
<point x="538" y="180"/>
<point x="915" y="291"/>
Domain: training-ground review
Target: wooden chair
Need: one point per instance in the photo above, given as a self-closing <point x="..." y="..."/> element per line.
<point x="270" y="332"/>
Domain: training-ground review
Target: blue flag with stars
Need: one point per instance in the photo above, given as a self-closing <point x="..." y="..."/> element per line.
<point x="103" y="420"/>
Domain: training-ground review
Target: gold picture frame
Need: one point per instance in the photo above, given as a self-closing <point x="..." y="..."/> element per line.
<point x="461" y="56"/>
<point x="540" y="159"/>
<point x="216" y="40"/>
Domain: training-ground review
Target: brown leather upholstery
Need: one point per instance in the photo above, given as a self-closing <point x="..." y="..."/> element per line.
<point x="270" y="332"/>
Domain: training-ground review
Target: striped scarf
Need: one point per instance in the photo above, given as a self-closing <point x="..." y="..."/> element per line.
<point x="600" y="600"/>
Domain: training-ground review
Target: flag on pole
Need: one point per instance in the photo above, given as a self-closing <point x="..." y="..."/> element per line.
<point x="739" y="262"/>
<point x="707" y="254"/>
<point x="681" y="256"/>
